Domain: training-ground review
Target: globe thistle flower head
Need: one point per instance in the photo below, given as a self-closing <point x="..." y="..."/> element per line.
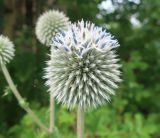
<point x="83" y="70"/>
<point x="6" y="49"/>
<point x="49" y="24"/>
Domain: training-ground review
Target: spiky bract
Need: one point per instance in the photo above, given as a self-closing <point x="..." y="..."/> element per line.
<point x="49" y="24"/>
<point x="83" y="69"/>
<point x="6" y="49"/>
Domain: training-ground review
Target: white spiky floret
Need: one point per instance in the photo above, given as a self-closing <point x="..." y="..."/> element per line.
<point x="83" y="69"/>
<point x="49" y="24"/>
<point x="6" y="49"/>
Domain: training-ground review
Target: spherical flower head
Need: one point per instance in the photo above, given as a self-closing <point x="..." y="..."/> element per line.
<point x="49" y="24"/>
<point x="6" y="49"/>
<point x="83" y="70"/>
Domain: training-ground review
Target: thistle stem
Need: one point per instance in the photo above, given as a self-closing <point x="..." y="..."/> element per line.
<point x="51" y="128"/>
<point x="20" y="99"/>
<point x="80" y="123"/>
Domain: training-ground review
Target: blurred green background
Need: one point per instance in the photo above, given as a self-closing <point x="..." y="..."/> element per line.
<point x="133" y="113"/>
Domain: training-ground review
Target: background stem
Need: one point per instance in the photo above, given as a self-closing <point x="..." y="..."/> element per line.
<point x="20" y="99"/>
<point x="51" y="129"/>
<point x="80" y="123"/>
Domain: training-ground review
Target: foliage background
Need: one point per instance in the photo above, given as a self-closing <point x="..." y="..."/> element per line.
<point x="134" y="112"/>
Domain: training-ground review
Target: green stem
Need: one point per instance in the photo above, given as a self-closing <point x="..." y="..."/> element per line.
<point x="20" y="99"/>
<point x="52" y="113"/>
<point x="80" y="123"/>
<point x="51" y="128"/>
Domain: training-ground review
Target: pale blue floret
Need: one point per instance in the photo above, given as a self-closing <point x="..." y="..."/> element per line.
<point x="99" y="38"/>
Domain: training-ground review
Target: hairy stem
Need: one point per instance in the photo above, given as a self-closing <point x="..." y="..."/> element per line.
<point x="20" y="99"/>
<point x="51" y="128"/>
<point x="80" y="123"/>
